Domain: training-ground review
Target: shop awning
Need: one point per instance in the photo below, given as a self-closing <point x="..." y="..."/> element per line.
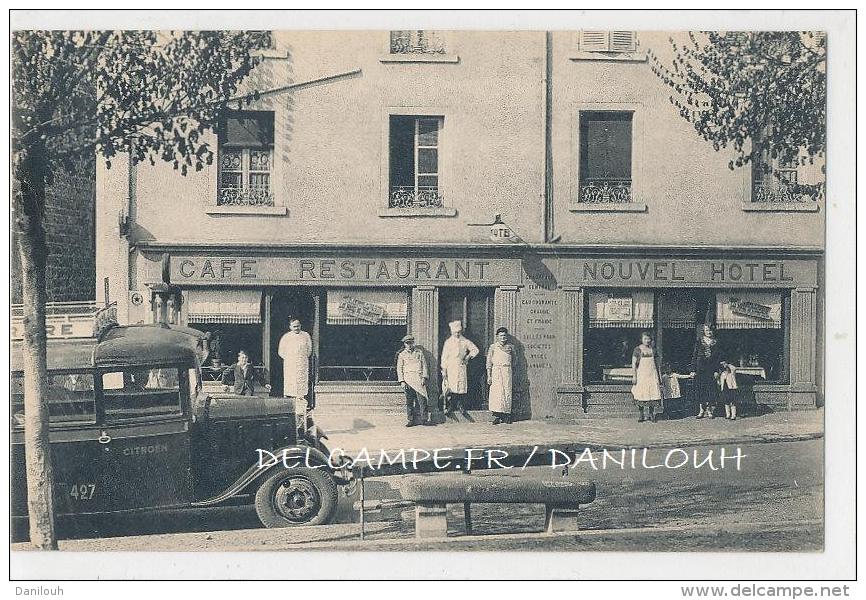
<point x="224" y="306"/>
<point x="367" y="307"/>
<point x="621" y="309"/>
<point x="748" y="310"/>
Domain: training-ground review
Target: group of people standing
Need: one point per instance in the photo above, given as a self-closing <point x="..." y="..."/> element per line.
<point x="458" y="350"/>
<point x="714" y="379"/>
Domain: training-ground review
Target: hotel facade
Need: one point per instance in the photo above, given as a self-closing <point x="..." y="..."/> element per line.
<point x="391" y="182"/>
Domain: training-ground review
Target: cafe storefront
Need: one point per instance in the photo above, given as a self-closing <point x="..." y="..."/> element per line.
<point x="575" y="317"/>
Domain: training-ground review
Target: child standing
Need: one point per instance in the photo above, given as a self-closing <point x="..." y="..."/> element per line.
<point x="729" y="393"/>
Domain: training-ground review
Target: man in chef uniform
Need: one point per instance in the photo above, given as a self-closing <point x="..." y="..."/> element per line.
<point x="412" y="374"/>
<point x="456" y="353"/>
<point x="295" y="349"/>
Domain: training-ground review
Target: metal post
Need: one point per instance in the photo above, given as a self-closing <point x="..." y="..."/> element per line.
<point x="362" y="502"/>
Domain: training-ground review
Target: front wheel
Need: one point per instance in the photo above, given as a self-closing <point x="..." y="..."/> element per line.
<point x="296" y="496"/>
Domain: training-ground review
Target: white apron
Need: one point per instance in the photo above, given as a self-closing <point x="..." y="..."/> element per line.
<point x="412" y="369"/>
<point x="455" y="353"/>
<point x="295" y="350"/>
<point x="646" y="387"/>
<point x="499" y="365"/>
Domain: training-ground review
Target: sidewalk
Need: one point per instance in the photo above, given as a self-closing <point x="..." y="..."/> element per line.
<point x="375" y="435"/>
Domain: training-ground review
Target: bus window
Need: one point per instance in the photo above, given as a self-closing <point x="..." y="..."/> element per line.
<point x="141" y="393"/>
<point x="71" y="398"/>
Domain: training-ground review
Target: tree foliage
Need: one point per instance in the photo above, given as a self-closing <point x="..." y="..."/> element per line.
<point x="762" y="93"/>
<point x="152" y="94"/>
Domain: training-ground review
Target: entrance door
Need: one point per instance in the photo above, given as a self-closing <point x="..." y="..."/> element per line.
<point x="288" y="304"/>
<point x="474" y="307"/>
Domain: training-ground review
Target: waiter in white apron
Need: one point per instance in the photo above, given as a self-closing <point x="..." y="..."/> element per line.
<point x="456" y="354"/>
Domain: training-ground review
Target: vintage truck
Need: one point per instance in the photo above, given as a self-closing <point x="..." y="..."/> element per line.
<point x="132" y="430"/>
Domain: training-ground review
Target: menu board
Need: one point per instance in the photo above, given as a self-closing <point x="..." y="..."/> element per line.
<point x="540" y="327"/>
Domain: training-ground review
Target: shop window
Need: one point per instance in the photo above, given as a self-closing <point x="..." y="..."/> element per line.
<point x="233" y="319"/>
<point x="607" y="41"/>
<point x="414" y="143"/>
<point x="605" y="157"/>
<point x="750" y="329"/>
<point x="615" y="322"/>
<point x="417" y="41"/>
<point x="246" y="153"/>
<point x="360" y="334"/>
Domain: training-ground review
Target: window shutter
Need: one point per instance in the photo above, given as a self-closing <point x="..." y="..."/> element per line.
<point x="623" y="41"/>
<point x="595" y="41"/>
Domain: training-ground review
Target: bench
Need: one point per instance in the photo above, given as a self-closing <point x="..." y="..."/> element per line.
<point x="561" y="498"/>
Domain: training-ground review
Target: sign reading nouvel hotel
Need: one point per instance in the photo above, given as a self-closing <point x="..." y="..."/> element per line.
<point x="386" y="271"/>
<point x="665" y="273"/>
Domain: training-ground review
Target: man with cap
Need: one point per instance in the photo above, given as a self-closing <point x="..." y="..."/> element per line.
<point x="456" y="353"/>
<point x="412" y="375"/>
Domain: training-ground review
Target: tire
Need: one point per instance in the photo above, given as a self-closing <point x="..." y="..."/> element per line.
<point x="296" y="496"/>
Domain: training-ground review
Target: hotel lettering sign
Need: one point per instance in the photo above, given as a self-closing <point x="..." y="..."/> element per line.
<point x="689" y="273"/>
<point x="239" y="270"/>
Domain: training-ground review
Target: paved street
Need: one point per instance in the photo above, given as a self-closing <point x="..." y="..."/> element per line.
<point x="778" y="494"/>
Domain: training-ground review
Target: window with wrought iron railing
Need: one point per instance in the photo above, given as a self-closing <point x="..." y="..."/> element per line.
<point x="414" y="162"/>
<point x="420" y="41"/>
<point x="605" y="157"/>
<point x="775" y="179"/>
<point x="246" y="159"/>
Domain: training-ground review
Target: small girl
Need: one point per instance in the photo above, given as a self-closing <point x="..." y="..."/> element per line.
<point x="729" y="393"/>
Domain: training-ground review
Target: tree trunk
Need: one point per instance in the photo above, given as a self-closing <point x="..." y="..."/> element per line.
<point x="32" y="249"/>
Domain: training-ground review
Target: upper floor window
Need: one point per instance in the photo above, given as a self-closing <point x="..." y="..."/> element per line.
<point x="246" y="152"/>
<point x="775" y="178"/>
<point x="608" y="41"/>
<point x="605" y="156"/>
<point x="419" y="41"/>
<point x="414" y="161"/>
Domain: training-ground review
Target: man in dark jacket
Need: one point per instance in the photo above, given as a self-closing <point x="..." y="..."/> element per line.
<point x="244" y="376"/>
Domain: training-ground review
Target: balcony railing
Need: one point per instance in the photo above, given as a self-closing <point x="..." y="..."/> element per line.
<point x="248" y="196"/>
<point x="411" y="197"/>
<point x="776" y="191"/>
<point x="416" y="42"/>
<point x="601" y="191"/>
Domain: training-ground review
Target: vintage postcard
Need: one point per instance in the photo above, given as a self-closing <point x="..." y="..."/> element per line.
<point x="418" y="287"/>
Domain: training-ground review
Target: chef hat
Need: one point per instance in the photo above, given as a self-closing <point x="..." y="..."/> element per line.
<point x="455" y="326"/>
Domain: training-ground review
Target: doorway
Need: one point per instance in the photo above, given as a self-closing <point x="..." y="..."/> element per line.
<point x="474" y="307"/>
<point x="288" y="304"/>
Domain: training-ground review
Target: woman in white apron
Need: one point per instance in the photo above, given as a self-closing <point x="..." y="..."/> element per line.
<point x="500" y="358"/>
<point x="646" y="383"/>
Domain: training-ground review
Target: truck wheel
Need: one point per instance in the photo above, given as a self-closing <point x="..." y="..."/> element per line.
<point x="296" y="496"/>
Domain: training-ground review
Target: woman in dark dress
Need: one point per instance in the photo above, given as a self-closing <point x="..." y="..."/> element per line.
<point x="705" y="371"/>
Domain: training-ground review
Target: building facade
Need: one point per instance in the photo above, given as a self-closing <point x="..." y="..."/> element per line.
<point x="391" y="182"/>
